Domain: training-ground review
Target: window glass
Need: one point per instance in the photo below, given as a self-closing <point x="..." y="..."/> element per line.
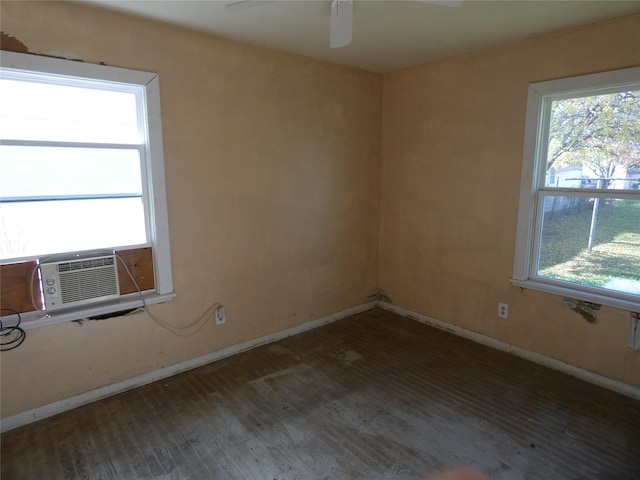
<point x="71" y="165"/>
<point x="70" y="226"/>
<point x="36" y="171"/>
<point x="63" y="199"/>
<point x="36" y="109"/>
<point x="591" y="241"/>
<point x="593" y="141"/>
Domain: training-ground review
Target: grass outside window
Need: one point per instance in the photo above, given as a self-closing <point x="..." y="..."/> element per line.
<point x="613" y="262"/>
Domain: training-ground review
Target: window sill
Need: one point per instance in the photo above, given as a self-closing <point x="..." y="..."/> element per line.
<point x="578" y="295"/>
<point x="134" y="300"/>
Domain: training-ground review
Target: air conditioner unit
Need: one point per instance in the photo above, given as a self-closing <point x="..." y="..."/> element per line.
<point x="80" y="281"/>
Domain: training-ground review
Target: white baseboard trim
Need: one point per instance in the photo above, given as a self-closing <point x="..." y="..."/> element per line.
<point x="51" y="409"/>
<point x="586" y="375"/>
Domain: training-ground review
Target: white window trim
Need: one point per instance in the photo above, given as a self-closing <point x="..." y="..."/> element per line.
<point x="159" y="228"/>
<point x="535" y="144"/>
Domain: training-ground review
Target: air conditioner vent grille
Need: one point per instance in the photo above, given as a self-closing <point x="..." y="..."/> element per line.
<point x="82" y="285"/>
<point x="79" y="281"/>
<point x="83" y="264"/>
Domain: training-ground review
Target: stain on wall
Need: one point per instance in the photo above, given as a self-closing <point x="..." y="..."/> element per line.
<point x="12" y="44"/>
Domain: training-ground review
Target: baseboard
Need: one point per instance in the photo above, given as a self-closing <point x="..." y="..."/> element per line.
<point x="586" y="375"/>
<point x="51" y="409"/>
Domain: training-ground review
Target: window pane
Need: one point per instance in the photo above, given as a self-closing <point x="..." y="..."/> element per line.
<point x="46" y="111"/>
<point x="593" y="142"/>
<point x="41" y="228"/>
<point x="51" y="171"/>
<point x="594" y="242"/>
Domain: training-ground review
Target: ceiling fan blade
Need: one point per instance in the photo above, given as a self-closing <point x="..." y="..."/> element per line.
<point x="341" y="23"/>
<point x="244" y="4"/>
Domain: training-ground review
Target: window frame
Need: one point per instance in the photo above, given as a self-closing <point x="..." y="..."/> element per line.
<point x="533" y="189"/>
<point x="153" y="175"/>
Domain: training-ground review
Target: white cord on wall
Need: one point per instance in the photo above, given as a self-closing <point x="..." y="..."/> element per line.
<point x="33" y="278"/>
<point x="199" y="323"/>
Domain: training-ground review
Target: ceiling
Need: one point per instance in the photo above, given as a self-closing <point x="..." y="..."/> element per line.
<point x="387" y="35"/>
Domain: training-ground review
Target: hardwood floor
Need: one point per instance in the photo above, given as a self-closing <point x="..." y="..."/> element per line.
<point x="374" y="396"/>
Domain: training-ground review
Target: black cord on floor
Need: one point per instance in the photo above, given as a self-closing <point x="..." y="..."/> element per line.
<point x="14" y="334"/>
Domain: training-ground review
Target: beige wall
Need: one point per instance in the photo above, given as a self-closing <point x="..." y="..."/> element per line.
<point x="272" y="167"/>
<point x="451" y="159"/>
<point x="273" y="180"/>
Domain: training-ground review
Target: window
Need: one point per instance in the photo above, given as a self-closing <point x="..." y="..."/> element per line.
<point x="579" y="217"/>
<point x="70" y="168"/>
<point x="81" y="161"/>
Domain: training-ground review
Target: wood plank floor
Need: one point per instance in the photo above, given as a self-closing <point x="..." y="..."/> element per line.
<point x="374" y="396"/>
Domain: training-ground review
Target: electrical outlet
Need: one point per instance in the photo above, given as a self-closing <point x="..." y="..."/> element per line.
<point x="221" y="315"/>
<point x="503" y="310"/>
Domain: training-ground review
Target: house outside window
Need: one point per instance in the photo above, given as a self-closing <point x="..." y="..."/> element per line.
<point x="579" y="215"/>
